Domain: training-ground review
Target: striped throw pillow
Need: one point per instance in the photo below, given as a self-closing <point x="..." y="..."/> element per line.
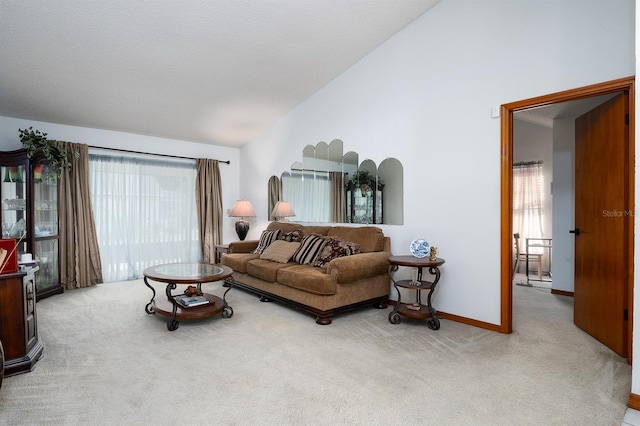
<point x="266" y="238"/>
<point x="310" y="246"/>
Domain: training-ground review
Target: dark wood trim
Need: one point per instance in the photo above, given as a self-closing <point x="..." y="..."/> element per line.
<point x="562" y="292"/>
<point x="506" y="177"/>
<point x="631" y="88"/>
<point x="634" y="401"/>
<point x="462" y="320"/>
<point x="469" y="321"/>
<point x="506" y="222"/>
<point x="322" y="317"/>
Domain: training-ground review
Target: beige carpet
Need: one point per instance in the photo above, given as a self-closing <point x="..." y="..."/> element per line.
<point x="107" y="362"/>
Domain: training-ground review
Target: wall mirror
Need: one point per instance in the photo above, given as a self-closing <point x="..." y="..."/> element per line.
<point x="329" y="186"/>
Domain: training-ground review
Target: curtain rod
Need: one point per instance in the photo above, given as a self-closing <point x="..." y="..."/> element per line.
<point x="527" y="163"/>
<point x="314" y="170"/>
<point x="148" y="153"/>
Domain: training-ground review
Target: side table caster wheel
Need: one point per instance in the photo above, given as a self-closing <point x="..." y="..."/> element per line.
<point x="172" y="324"/>
<point x="227" y="312"/>
<point x="394" y="318"/>
<point x="433" y="323"/>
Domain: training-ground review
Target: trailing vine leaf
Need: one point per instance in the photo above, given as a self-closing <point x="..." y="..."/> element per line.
<point x="56" y="154"/>
<point x="364" y="177"/>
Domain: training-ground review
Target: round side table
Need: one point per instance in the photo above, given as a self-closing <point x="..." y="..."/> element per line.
<point x="417" y="309"/>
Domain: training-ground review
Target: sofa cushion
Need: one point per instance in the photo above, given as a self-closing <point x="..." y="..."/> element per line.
<point x="284" y="227"/>
<point x="369" y="238"/>
<point x="316" y="229"/>
<point x="334" y="247"/>
<point x="266" y="238"/>
<point x="265" y="269"/>
<point x="293" y="236"/>
<point x="280" y="251"/>
<point x="309" y="249"/>
<point x="307" y="278"/>
<point x="238" y="261"/>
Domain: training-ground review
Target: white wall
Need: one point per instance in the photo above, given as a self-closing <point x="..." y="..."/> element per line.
<point x="563" y="203"/>
<point x="229" y="174"/>
<point x="425" y="97"/>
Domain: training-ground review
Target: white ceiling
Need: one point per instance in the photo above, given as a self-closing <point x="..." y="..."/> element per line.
<point x="544" y="116"/>
<point x="216" y="71"/>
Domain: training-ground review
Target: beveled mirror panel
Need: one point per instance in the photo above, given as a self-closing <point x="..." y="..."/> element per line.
<point x="331" y="187"/>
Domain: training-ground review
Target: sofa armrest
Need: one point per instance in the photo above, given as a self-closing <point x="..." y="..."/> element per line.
<point x="364" y="265"/>
<point x="243" y="246"/>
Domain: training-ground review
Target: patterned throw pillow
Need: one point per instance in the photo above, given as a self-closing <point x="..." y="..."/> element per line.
<point x="309" y="249"/>
<point x="280" y="251"/>
<point x="266" y="238"/>
<point x="335" y="247"/>
<point x="293" y="236"/>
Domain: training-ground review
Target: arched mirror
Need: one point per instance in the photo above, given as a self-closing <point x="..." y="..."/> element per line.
<point x="331" y="187"/>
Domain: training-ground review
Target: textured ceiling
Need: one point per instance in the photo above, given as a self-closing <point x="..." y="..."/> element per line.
<point x="215" y="71"/>
<point x="544" y="116"/>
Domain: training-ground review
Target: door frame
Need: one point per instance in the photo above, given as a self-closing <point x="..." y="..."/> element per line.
<point x="626" y="84"/>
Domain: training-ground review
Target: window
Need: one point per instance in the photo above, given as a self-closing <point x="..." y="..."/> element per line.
<point x="528" y="200"/>
<point x="145" y="213"/>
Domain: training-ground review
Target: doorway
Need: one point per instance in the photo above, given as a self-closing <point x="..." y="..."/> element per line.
<point x="626" y="85"/>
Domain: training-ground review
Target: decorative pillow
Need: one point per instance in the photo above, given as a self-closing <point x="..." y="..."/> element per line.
<point x="293" y="236"/>
<point x="309" y="248"/>
<point x="266" y="238"/>
<point x="335" y="247"/>
<point x="280" y="251"/>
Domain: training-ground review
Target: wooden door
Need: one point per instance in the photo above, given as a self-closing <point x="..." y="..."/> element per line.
<point x="603" y="217"/>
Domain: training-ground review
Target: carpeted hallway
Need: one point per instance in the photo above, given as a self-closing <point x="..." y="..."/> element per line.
<point x="107" y="362"/>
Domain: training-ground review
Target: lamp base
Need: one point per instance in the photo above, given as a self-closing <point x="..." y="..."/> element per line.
<point x="242" y="227"/>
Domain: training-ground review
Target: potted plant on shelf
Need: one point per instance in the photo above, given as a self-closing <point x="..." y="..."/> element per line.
<point x="34" y="141"/>
<point x="365" y="181"/>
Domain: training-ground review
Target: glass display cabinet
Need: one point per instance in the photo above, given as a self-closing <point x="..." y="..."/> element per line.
<point x="29" y="194"/>
<point x="364" y="206"/>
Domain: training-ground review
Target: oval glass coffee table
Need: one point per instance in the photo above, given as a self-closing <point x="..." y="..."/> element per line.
<point x="187" y="273"/>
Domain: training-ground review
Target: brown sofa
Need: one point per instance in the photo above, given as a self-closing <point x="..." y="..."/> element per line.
<point x="347" y="282"/>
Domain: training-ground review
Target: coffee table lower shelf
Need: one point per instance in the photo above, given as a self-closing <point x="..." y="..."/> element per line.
<point x="164" y="307"/>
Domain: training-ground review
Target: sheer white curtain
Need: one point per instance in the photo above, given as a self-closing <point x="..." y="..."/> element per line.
<point x="145" y="213"/>
<point x="310" y="195"/>
<point x="528" y="202"/>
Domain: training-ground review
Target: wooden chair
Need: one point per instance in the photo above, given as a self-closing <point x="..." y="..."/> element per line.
<point x="522" y="257"/>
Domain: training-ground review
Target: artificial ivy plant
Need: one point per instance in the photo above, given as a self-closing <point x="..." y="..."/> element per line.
<point x="365" y="180"/>
<point x="56" y="154"/>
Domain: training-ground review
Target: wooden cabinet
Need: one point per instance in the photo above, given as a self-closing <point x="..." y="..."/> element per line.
<point x="29" y="195"/>
<point x="18" y="322"/>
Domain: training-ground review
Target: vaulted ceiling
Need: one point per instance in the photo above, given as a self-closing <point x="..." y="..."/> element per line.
<point x="217" y="71"/>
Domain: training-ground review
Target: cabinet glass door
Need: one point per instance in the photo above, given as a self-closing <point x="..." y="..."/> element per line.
<point x="45" y="224"/>
<point x="14" y="204"/>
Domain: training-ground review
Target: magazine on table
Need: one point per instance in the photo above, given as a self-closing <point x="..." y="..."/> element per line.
<point x="191" y="301"/>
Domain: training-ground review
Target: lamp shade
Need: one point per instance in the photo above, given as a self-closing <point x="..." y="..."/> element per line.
<point x="242" y="209"/>
<point x="282" y="209"/>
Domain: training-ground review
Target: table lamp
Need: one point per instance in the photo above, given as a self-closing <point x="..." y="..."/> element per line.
<point x="282" y="210"/>
<point x="242" y="209"/>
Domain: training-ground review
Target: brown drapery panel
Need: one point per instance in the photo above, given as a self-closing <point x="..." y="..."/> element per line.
<point x="338" y="201"/>
<point x="274" y="189"/>
<point x="80" y="264"/>
<point x="209" y="205"/>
